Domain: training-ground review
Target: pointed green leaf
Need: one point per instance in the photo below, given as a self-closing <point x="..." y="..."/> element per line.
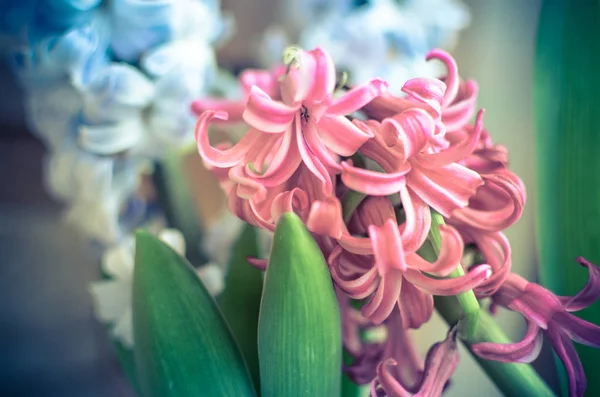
<point x="183" y="345"/>
<point x="127" y="361"/>
<point x="566" y="89"/>
<point x="299" y="330"/>
<point x="240" y="300"/>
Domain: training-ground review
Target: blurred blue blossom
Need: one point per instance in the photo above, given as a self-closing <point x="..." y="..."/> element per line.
<point x="107" y="89"/>
<point x="384" y="38"/>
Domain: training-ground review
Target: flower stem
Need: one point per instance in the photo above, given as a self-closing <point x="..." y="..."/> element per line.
<point x="467" y="300"/>
<point x="477" y="326"/>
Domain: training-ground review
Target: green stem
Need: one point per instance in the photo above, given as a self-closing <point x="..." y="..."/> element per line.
<point x="467" y="300"/>
<point x="478" y="326"/>
<point x="512" y="379"/>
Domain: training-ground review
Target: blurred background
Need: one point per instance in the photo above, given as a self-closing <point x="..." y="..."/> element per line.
<point x="50" y="343"/>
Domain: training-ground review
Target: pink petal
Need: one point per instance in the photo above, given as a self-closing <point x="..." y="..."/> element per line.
<point x="298" y="81"/>
<point x="415" y="229"/>
<point x="294" y="200"/>
<point x="524" y="351"/>
<point x="416" y="307"/>
<point x="357" y="97"/>
<point x="578" y="329"/>
<point x="341" y="136"/>
<point x="444" y="189"/>
<point x="451" y="253"/>
<point x="456" y="152"/>
<point x="496" y="219"/>
<point x="452" y="79"/>
<point x="495" y="248"/>
<point x="311" y="161"/>
<point x="324" y="79"/>
<point x="222" y="158"/>
<point x="375" y="210"/>
<point x="414" y="128"/>
<point x="449" y="286"/>
<point x="325" y="218"/>
<point x="371" y="182"/>
<point x="247" y="187"/>
<point x="356" y="285"/>
<point x="568" y="356"/>
<point x="316" y="145"/>
<point x="266" y="80"/>
<point x="459" y="113"/>
<point x="387" y="247"/>
<point x="384" y="300"/>
<point x="260" y="264"/>
<point x="267" y="115"/>
<point x="284" y="163"/>
<point x="427" y="90"/>
<point x="589" y="294"/>
<point x="233" y="108"/>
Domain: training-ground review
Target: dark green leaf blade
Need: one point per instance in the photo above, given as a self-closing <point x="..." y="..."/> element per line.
<point x="299" y="331"/>
<point x="183" y="345"/>
<point x="240" y="300"/>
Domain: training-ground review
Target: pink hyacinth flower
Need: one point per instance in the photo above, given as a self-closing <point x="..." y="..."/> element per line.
<point x="379" y="266"/>
<point x="550" y="314"/>
<point x="440" y="363"/>
<point x="303" y="126"/>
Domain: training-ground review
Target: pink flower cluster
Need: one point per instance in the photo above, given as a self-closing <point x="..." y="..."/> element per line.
<point x="365" y="170"/>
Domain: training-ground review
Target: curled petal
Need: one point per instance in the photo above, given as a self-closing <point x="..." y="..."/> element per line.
<point x="413" y="128"/>
<point x="456" y="152"/>
<point x="415" y="229"/>
<point x="416" y="307"/>
<point x="387" y="247"/>
<point x="375" y="210"/>
<point x="357" y="97"/>
<point x="283" y="164"/>
<point x="504" y="193"/>
<point x="578" y="329"/>
<point x="427" y="90"/>
<point x="221" y="158"/>
<point x="449" y="286"/>
<point x="265" y="114"/>
<point x="457" y="115"/>
<point x="444" y="189"/>
<point x="371" y="182"/>
<point x="324" y="79"/>
<point x="590" y="292"/>
<point x="362" y="369"/>
<point x="234" y="109"/>
<point x="318" y="148"/>
<point x="570" y="359"/>
<point x="452" y="79"/>
<point x="311" y="161"/>
<point x="383" y="301"/>
<point x="496" y="250"/>
<point x="357" y="283"/>
<point x="341" y="136"/>
<point x="451" y="252"/>
<point x="524" y="351"/>
<point x="266" y="80"/>
<point x="441" y="362"/>
<point x="294" y="200"/>
<point x="325" y="218"/>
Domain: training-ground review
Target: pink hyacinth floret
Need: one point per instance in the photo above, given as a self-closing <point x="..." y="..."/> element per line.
<point x="367" y="171"/>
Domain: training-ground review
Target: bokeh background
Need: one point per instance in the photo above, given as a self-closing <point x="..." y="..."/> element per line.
<point x="50" y="344"/>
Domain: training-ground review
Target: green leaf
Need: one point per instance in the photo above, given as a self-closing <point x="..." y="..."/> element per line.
<point x="566" y="88"/>
<point x="299" y="330"/>
<point x="183" y="345"/>
<point x="127" y="361"/>
<point x="240" y="300"/>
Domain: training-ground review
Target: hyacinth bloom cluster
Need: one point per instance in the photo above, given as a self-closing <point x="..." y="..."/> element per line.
<point x="104" y="84"/>
<point x="371" y="174"/>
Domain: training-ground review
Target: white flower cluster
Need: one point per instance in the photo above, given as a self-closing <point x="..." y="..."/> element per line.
<point x="377" y="38"/>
